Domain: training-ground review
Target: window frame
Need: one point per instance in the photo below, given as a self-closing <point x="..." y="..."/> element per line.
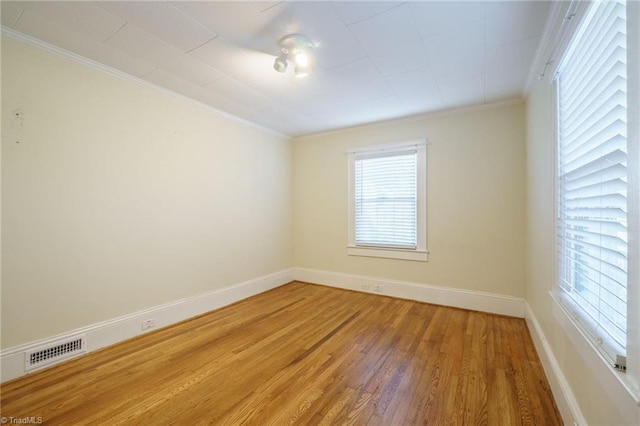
<point x="596" y="330"/>
<point x="624" y="385"/>
<point x="420" y="252"/>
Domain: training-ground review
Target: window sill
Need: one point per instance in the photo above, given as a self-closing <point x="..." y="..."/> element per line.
<point x="389" y="253"/>
<point x="621" y="386"/>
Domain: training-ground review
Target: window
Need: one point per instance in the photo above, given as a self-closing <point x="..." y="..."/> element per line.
<point x="387" y="201"/>
<point x="592" y="231"/>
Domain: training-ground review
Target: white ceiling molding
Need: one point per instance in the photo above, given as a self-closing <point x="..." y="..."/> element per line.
<point x="128" y="77"/>
<point x="429" y="115"/>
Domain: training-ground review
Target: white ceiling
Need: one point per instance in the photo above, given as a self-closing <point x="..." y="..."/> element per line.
<point x="373" y="60"/>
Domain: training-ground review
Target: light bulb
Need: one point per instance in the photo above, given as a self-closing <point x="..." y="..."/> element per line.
<point x="302" y="59"/>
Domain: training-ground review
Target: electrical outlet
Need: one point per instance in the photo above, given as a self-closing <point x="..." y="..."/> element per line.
<point x="149" y="323"/>
<point x="377" y="289"/>
<point x="366" y="287"/>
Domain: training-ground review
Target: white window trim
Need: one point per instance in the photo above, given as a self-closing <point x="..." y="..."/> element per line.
<point x="420" y="253"/>
<point x="623" y="387"/>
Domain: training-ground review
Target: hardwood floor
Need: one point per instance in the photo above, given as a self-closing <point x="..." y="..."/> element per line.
<point x="303" y="354"/>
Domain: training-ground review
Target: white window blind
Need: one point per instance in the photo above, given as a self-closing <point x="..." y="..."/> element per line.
<point x="386" y="199"/>
<point x="592" y="176"/>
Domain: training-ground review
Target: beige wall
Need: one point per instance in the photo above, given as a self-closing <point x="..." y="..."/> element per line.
<point x="117" y="197"/>
<point x="476" y="172"/>
<point x="595" y="404"/>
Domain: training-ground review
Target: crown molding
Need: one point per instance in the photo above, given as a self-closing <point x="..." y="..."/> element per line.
<point x="32" y="41"/>
<point x="421" y="117"/>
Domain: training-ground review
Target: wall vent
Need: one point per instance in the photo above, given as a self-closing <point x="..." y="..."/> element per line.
<point x="54" y="352"/>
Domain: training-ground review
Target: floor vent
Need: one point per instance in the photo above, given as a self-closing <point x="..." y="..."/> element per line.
<point x="54" y="352"/>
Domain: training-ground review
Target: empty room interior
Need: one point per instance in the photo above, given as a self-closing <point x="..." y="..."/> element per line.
<point x="346" y="212"/>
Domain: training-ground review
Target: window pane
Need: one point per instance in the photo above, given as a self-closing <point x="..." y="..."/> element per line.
<point x="386" y="200"/>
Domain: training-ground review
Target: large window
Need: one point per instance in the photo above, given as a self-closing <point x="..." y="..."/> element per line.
<point x="593" y="178"/>
<point x="387" y="201"/>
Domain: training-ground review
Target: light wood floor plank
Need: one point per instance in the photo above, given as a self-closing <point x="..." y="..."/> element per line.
<point x="308" y="355"/>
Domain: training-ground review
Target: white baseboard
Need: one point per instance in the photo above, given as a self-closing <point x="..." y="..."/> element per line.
<point x="566" y="402"/>
<point x="466" y="299"/>
<point x="122" y="328"/>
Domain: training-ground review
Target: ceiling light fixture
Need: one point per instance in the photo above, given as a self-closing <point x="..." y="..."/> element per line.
<point x="280" y="63"/>
<point x="294" y="47"/>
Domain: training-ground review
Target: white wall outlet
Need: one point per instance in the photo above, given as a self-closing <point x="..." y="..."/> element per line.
<point x="149" y="323"/>
<point x="377" y="289"/>
<point x="366" y="287"/>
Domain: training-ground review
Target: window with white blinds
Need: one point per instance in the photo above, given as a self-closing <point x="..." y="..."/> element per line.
<point x="592" y="177"/>
<point x="387" y="201"/>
